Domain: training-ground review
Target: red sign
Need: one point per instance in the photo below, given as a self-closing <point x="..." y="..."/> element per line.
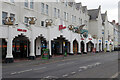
<point x="22" y="30"/>
<point x="90" y="38"/>
<point x="61" y="27"/>
<point x="82" y="39"/>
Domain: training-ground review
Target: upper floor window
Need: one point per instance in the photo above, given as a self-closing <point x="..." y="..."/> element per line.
<point x="26" y="3"/>
<point x="12" y="1"/>
<point x="12" y="16"/>
<point x="31" y="4"/>
<point x="4" y="15"/>
<point x="54" y="12"/>
<point x="47" y="9"/>
<point x="42" y="7"/>
<point x="72" y="18"/>
<point x="66" y="2"/>
<point x="65" y="15"/>
<point x="57" y="0"/>
<point x="26" y="19"/>
<point x="58" y="13"/>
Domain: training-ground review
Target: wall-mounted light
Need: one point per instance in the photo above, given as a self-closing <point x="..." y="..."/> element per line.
<point x="48" y="22"/>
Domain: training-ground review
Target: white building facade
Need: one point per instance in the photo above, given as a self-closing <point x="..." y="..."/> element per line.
<point x="25" y="40"/>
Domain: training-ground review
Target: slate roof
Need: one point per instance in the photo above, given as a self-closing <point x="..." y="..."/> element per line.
<point x="93" y="13"/>
<point x="103" y="17"/>
<point x="84" y="8"/>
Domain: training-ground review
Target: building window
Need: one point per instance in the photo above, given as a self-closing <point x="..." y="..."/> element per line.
<point x="57" y="0"/>
<point x="58" y="13"/>
<point x="12" y="17"/>
<point x="65" y="15"/>
<point x="81" y="21"/>
<point x="47" y="9"/>
<point x="55" y="12"/>
<point x="12" y="1"/>
<point x="72" y="18"/>
<point x="66" y="3"/>
<point x="31" y="4"/>
<point x="4" y="15"/>
<point x="26" y="3"/>
<point x="42" y="23"/>
<point x="42" y="7"/>
<point x="26" y="19"/>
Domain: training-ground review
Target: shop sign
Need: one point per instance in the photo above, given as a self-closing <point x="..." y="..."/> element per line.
<point x="106" y="41"/>
<point x="63" y="43"/>
<point x="99" y="40"/>
<point x="61" y="27"/>
<point x="82" y="39"/>
<point x="90" y="38"/>
<point x="22" y="30"/>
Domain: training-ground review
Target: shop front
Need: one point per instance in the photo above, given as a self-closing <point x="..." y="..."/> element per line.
<point x="20" y="47"/>
<point x="82" y="46"/>
<point x="60" y="46"/>
<point x="90" y="46"/>
<point x="40" y="45"/>
<point x="75" y="47"/>
<point x="3" y="47"/>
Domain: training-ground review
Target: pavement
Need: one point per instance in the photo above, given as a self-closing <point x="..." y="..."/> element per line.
<point x="100" y="65"/>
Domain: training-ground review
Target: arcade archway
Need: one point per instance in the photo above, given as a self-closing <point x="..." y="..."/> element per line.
<point x="4" y="48"/>
<point x="75" y="47"/>
<point x="82" y="46"/>
<point x="60" y="46"/>
<point x="90" y="46"/>
<point x="21" y="47"/>
<point x="40" y="44"/>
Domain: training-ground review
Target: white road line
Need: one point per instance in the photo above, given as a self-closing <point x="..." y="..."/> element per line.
<point x="80" y="70"/>
<point x="73" y="72"/>
<point x="40" y="68"/>
<point x="83" y="67"/>
<point x="65" y="63"/>
<point x="24" y="71"/>
<point x="47" y="77"/>
<point x="65" y="75"/>
<point x="114" y="76"/>
<point x="90" y="66"/>
<point x="13" y="73"/>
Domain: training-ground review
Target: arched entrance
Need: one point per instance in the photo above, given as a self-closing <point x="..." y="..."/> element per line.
<point x="100" y="46"/>
<point x="60" y="46"/>
<point x="4" y="48"/>
<point x="75" y="47"/>
<point x="21" y="47"/>
<point x="40" y="44"/>
<point x="82" y="46"/>
<point x="90" y="46"/>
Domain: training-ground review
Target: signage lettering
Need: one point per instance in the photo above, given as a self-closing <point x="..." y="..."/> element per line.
<point x="90" y="38"/>
<point x="82" y="39"/>
<point x="61" y="27"/>
<point x="22" y="30"/>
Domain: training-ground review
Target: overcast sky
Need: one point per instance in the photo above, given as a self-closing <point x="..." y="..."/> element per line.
<point x="110" y="5"/>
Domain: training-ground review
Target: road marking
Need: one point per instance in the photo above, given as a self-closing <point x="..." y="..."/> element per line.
<point x="90" y="66"/>
<point x="13" y="73"/>
<point x="73" y="72"/>
<point x="114" y="76"/>
<point x="40" y="68"/>
<point x="80" y="70"/>
<point x="24" y="71"/>
<point x="83" y="67"/>
<point x="65" y="63"/>
<point x="65" y="75"/>
<point x="50" y="77"/>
